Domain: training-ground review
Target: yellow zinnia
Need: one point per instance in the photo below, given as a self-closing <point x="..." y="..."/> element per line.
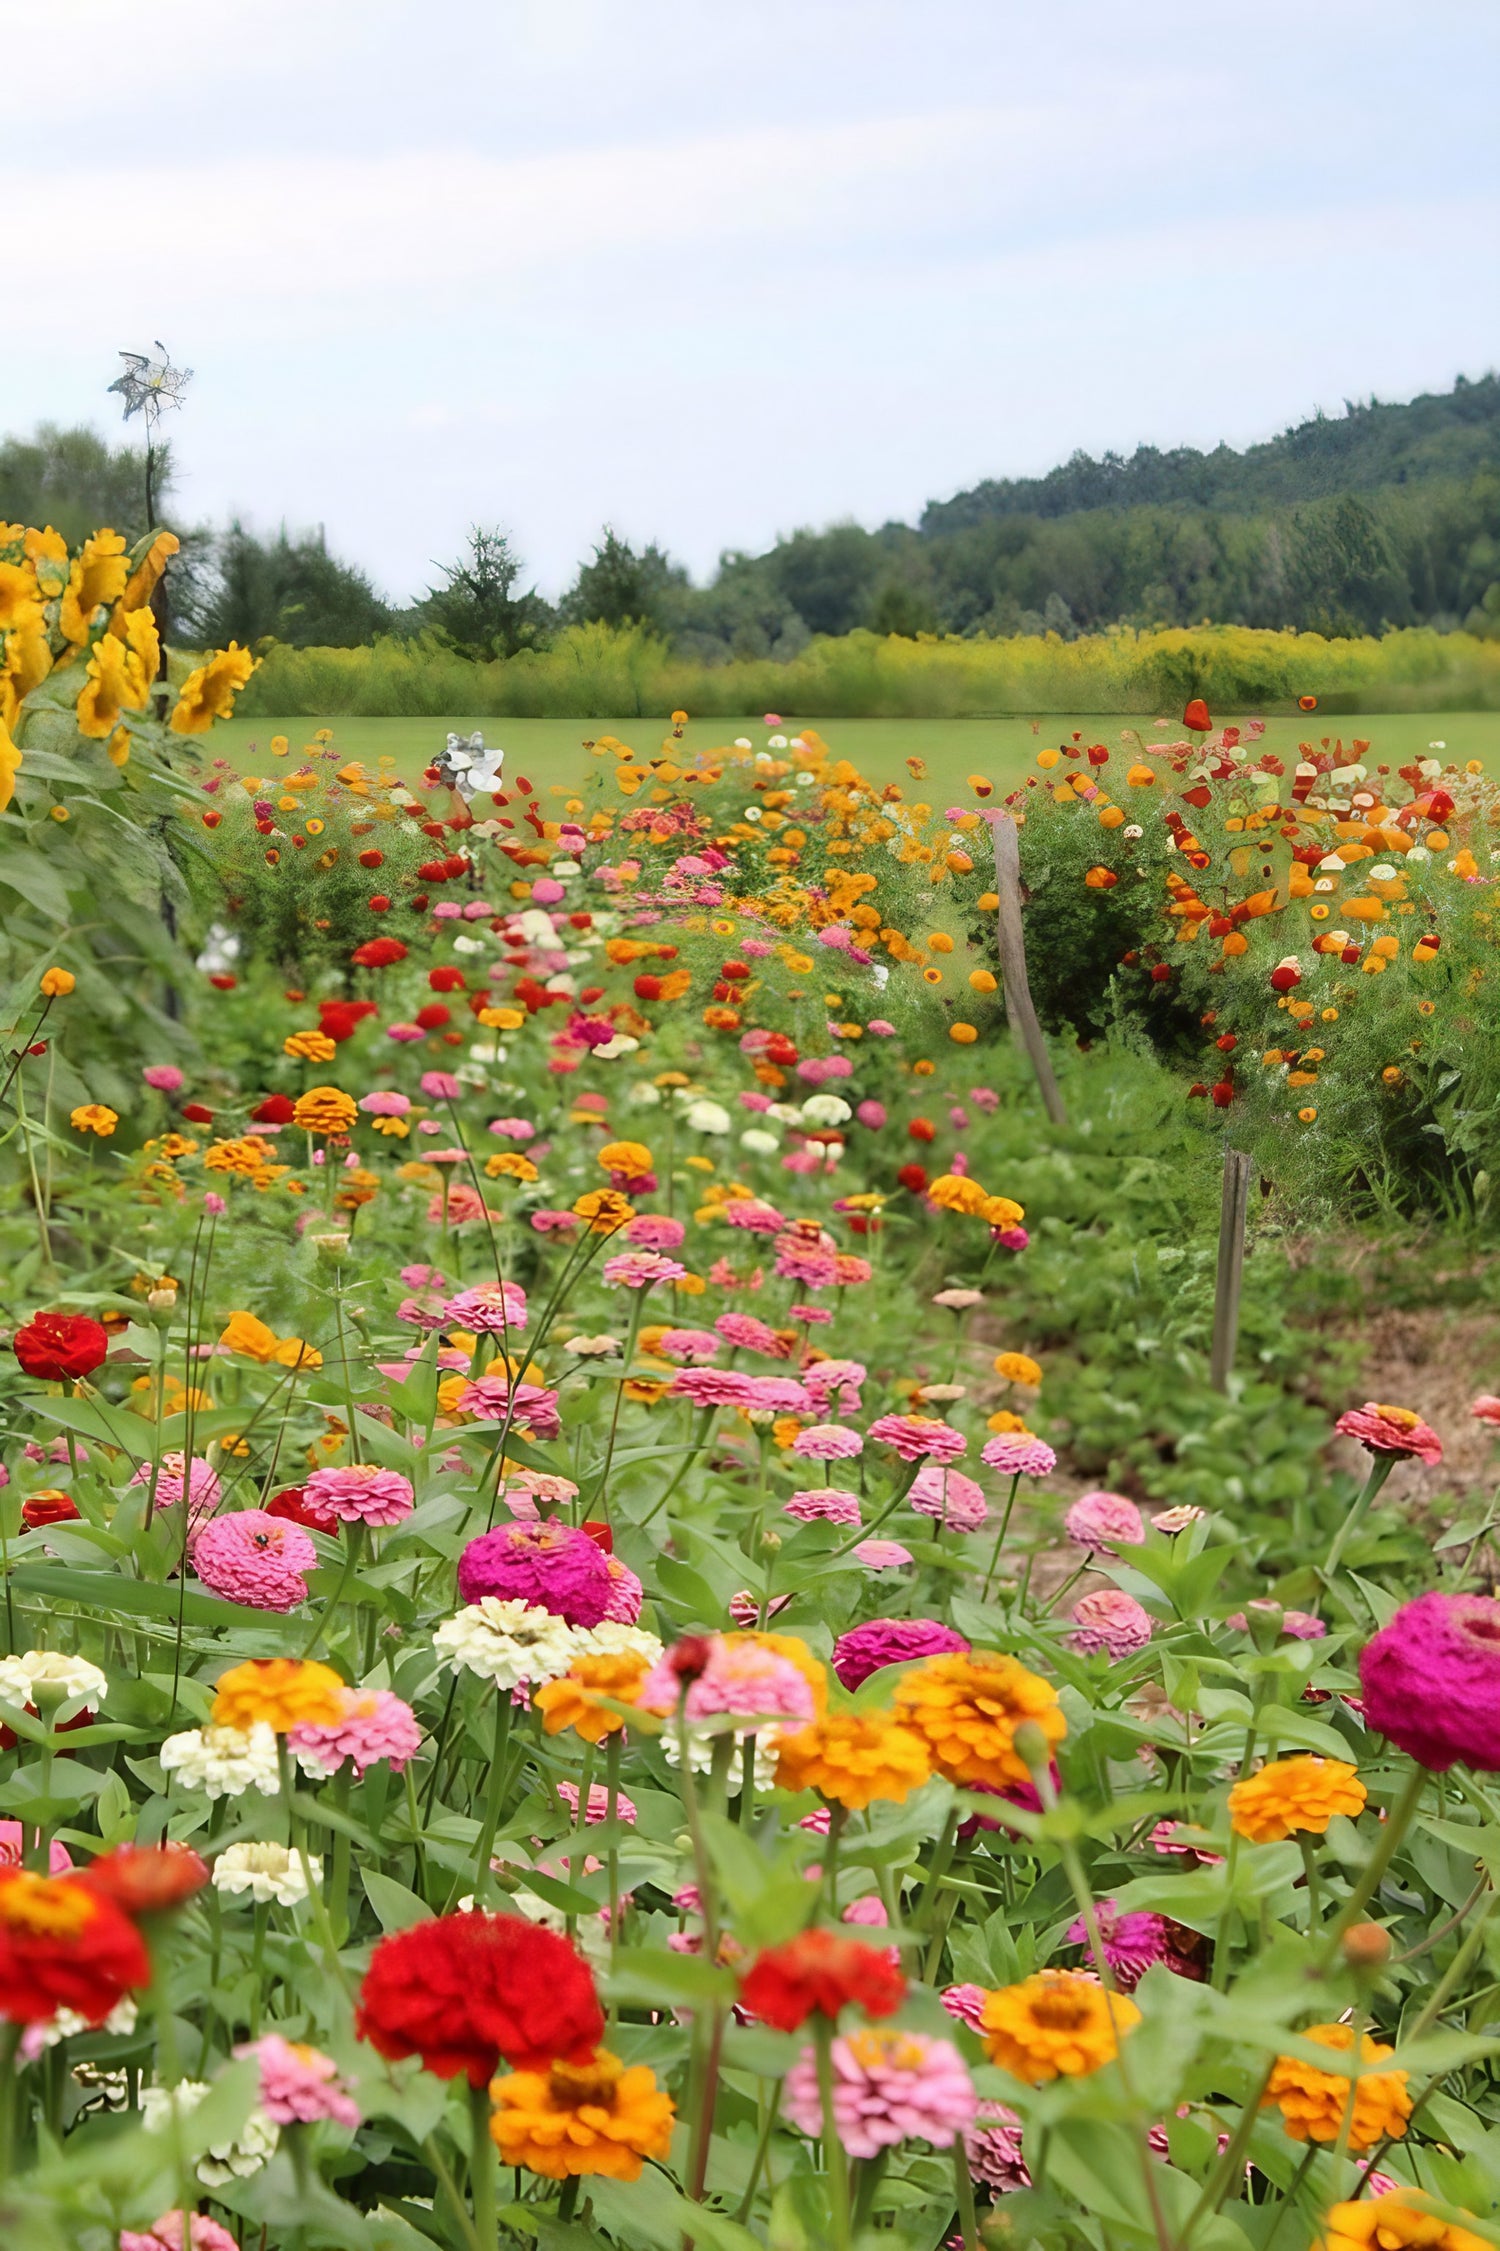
<point x="1292" y="1796"/>
<point x="1313" y="2102"/>
<point x="967" y="1707"/>
<point x="1056" y="2025"/>
<point x="285" y="1692"/>
<point x="582" y="1698"/>
<point x="1397" y="2221"/>
<point x="94" y="1117"/>
<point x="324" y="1109"/>
<point x="852" y="1758"/>
<point x="579" y="2119"/>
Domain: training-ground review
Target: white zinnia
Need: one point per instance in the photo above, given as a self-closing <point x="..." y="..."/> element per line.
<point x="826" y="1109"/>
<point x="643" y="1095"/>
<point x="611" y="1638"/>
<point x="759" y="1142"/>
<point x="221" y="2161"/>
<point x="224" y="1761"/>
<point x="707" y="1117"/>
<point x="267" y="1873"/>
<point x="20" y="1677"/>
<point x="507" y="1642"/>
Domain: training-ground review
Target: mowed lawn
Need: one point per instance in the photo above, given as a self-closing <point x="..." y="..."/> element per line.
<point x="550" y="751"/>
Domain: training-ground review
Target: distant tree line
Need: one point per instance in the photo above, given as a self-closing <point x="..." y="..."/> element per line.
<point x="1388" y="515"/>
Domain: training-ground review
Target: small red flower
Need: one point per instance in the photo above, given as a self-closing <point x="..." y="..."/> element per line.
<point x="445" y="978"/>
<point x="60" y="1347"/>
<point x="378" y="953"/>
<point x="146" y="1879"/>
<point x="463" y="1991"/>
<point x="1196" y="718"/>
<point x="49" y="1506"/>
<point x="197" y="1114"/>
<point x="372" y="858"/>
<point x="820" y="1970"/>
<point x="434" y="1016"/>
<point x="922" y="1129"/>
<point x="913" y="1177"/>
<point x="277" y="1109"/>
<point x="63" y="1946"/>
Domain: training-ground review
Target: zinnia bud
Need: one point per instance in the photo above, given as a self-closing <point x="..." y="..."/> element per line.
<point x="1365" y="1946"/>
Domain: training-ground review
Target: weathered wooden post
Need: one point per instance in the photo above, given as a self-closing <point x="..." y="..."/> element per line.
<point x="1232" y="1213"/>
<point x="1018" y="1008"/>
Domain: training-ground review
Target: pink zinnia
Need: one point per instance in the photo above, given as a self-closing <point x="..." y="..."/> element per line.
<point x="299" y="2085"/>
<point x="642" y="1270"/>
<point x="529" y="1407"/>
<point x="836" y="1382"/>
<point x="743" y="1679"/>
<point x="889" y="2086"/>
<point x="965" y="2003"/>
<point x="690" y="1345"/>
<point x="654" y="1231"/>
<point x="1486" y="1408"/>
<point x="1131" y="1943"/>
<point x="779" y="1395"/>
<point x="1017" y="1454"/>
<point x="373" y="1725"/>
<point x="550" y="1565"/>
<point x="755" y="1217"/>
<point x="361" y="1493"/>
<point x="880" y="1642"/>
<point x="827" y="1442"/>
<point x="747" y="1334"/>
<point x="626" y="1593"/>
<point x="1110" y="1620"/>
<point x="993" y="2148"/>
<point x="385" y="1102"/>
<point x="173" y="1475"/>
<point x="13" y="1850"/>
<point x="1104" y="1520"/>
<point x="919" y="1437"/>
<point x="490" y="1309"/>
<point x="165" y="1077"/>
<point x="1296" y="1625"/>
<point x="814" y="1264"/>
<point x="166" y="2234"/>
<point x="882" y="1555"/>
<point x="425" y="1312"/>
<point x="255" y="1559"/>
<point x="713" y="1387"/>
<point x="513" y="1129"/>
<point x="441" y="1086"/>
<point x="950" y="1496"/>
<point x="1391" y="1430"/>
<point x="825" y="1504"/>
<point x="1431" y="1681"/>
<point x="598" y="1805"/>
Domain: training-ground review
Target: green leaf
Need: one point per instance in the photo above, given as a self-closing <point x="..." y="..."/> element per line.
<point x="137" y="1598"/>
<point x="643" y="1975"/>
<point x="29" y="874"/>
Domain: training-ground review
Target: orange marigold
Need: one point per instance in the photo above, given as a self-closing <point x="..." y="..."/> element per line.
<point x="852" y="1758"/>
<point x="1313" y="2102"/>
<point x="1292" y="1795"/>
<point x="967" y="1707"/>
<point x="581" y="1699"/>
<point x="578" y="2119"/>
<point x="285" y="1692"/>
<point x="1397" y="2221"/>
<point x="1056" y="2025"/>
<point x="325" y="1109"/>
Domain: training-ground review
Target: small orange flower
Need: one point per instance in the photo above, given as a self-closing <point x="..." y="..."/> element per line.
<point x="324" y="1109"/>
<point x="582" y="1698"/>
<point x="1292" y="1797"/>
<point x="1313" y="2102"/>
<point x="1056" y="2025"/>
<point x="576" y="2120"/>
<point x="852" y="1758"/>
<point x="967" y="1707"/>
<point x="285" y="1692"/>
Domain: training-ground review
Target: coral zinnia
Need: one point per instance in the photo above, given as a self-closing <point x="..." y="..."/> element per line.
<point x="853" y="1758"/>
<point x="823" y="1971"/>
<point x="1313" y="2102"/>
<point x="1431" y="1681"/>
<point x="580" y="2119"/>
<point x="1393" y="2222"/>
<point x="1291" y="1796"/>
<point x="463" y="1991"/>
<point x="284" y="1692"/>
<point x="967" y="1709"/>
<point x="1391" y="1430"/>
<point x="63" y="1946"/>
<point x="324" y="1109"/>
<point x="1056" y="2025"/>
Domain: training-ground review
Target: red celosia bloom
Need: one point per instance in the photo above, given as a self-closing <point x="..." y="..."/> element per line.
<point x="277" y="1109"/>
<point x="820" y="1970"/>
<point x="63" y="1946"/>
<point x="378" y="953"/>
<point x="146" y="1879"/>
<point x="464" y="1991"/>
<point x="60" y="1347"/>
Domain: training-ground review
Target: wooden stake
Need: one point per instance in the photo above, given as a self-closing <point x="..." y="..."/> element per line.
<point x="1018" y="1007"/>
<point x="1232" y="1212"/>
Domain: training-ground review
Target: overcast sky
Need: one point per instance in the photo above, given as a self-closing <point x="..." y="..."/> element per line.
<point x="710" y="271"/>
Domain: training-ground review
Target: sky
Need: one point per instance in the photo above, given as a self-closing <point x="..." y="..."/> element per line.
<point x="706" y="272"/>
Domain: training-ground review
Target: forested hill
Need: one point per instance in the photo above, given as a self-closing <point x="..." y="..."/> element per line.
<point x="1446" y="434"/>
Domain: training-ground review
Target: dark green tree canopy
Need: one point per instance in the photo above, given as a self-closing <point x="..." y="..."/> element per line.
<point x="476" y="610"/>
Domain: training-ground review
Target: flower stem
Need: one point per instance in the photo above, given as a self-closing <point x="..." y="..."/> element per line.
<point x="482" y="2167"/>
<point x="1010" y="1502"/>
<point x="835" y="2162"/>
<point x="1381" y="1466"/>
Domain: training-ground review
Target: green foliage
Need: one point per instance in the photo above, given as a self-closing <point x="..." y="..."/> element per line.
<point x="619" y="588"/>
<point x="476" y="612"/>
<point x="76" y="481"/>
<point x="287" y="589"/>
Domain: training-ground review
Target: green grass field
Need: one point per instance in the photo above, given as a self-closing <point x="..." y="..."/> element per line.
<point x="549" y="751"/>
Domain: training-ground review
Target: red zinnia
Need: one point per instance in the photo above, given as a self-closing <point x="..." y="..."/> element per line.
<point x="820" y="1970"/>
<point x="378" y="953"/>
<point x="445" y="979"/>
<point x="60" y="1347"/>
<point x="63" y="1946"/>
<point x="146" y="1879"/>
<point x="48" y="1506"/>
<point x="277" y="1109"/>
<point x="1196" y="717"/>
<point x="464" y="1991"/>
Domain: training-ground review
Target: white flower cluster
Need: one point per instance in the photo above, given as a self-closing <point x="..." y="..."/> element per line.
<point x="508" y="1643"/>
<point x="612" y="1639"/>
<point x="269" y="1873"/>
<point x="224" y="1761"/>
<point x="68" y="1677"/>
<point x="233" y="2160"/>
